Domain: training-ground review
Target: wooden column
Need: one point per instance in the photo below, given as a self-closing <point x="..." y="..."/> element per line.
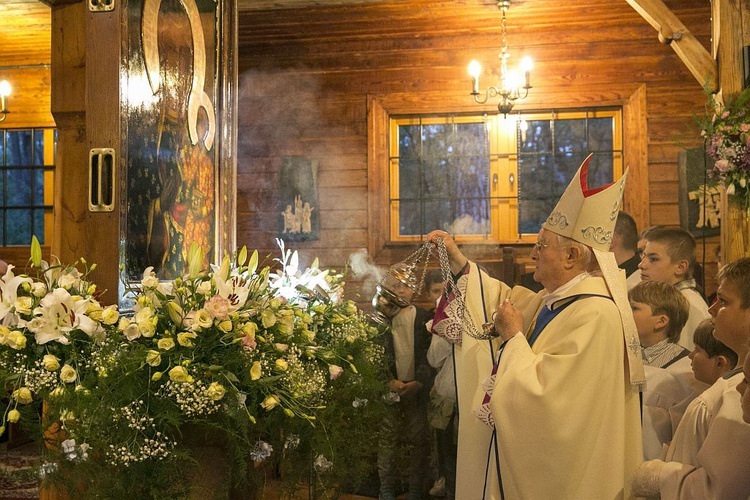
<point x="731" y="32"/>
<point x="85" y="105"/>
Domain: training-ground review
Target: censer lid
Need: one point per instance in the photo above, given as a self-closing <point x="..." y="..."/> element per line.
<point x="405" y="274"/>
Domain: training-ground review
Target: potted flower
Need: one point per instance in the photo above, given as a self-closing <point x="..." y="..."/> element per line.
<point x="51" y="323"/>
<point x="726" y="130"/>
<point x="261" y="370"/>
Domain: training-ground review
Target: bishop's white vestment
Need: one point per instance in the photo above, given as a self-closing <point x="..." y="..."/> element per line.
<point x="566" y="419"/>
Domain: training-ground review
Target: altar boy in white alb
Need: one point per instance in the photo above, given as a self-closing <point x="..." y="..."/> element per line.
<point x="553" y="399"/>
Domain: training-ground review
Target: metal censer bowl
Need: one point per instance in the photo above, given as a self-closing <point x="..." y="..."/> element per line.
<point x="386" y="301"/>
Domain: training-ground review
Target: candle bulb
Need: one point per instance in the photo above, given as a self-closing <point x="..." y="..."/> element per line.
<point x="4" y="92"/>
<point x="526" y="65"/>
<point x="474" y="69"/>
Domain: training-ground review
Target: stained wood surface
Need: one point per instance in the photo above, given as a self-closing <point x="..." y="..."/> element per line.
<point x="308" y="68"/>
<point x="25" y="62"/>
<point x="307" y="74"/>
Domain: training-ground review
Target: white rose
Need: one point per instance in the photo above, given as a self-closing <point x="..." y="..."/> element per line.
<point x="153" y="358"/>
<point x="38" y="289"/>
<point x="216" y="391"/>
<point x="68" y="374"/>
<point x="50" y="362"/>
<point x="110" y="315"/>
<point x="23" y="305"/>
<point x="149" y="279"/>
<point x="204" y="288"/>
<point x="202" y="319"/>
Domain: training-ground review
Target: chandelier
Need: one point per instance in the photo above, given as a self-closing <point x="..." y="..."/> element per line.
<point x="514" y="84"/>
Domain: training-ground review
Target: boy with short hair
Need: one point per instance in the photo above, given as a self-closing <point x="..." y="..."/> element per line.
<point x="442" y="412"/>
<point x="625" y="246"/>
<point x="669" y="257"/>
<point x="406" y="344"/>
<point x="660" y="312"/>
<point x="708" y="456"/>
<point x="711" y="358"/>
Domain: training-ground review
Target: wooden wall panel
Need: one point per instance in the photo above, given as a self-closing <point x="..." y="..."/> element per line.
<point x="25" y="55"/>
<point x="306" y="76"/>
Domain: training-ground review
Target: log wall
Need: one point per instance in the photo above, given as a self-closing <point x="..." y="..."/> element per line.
<point x="306" y="76"/>
<point x="25" y="56"/>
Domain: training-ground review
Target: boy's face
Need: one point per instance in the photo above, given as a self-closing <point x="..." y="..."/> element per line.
<point x="434" y="291"/>
<point x="656" y="265"/>
<point x="650" y="326"/>
<point x="731" y="320"/>
<point x="745" y="393"/>
<point x="705" y="368"/>
<point x="404" y="292"/>
<point x="641" y="247"/>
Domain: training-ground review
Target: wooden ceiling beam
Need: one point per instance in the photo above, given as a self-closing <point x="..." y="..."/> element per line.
<point x="671" y="31"/>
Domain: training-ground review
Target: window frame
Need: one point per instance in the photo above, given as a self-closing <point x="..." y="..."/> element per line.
<point x="632" y="97"/>
<point x="502" y="137"/>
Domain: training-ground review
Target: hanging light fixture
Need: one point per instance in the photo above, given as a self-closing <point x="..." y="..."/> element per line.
<point x="514" y="84"/>
<point x="4" y="92"/>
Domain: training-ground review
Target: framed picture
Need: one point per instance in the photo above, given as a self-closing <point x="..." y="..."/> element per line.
<point x="179" y="119"/>
<point x="299" y="217"/>
<point x="699" y="196"/>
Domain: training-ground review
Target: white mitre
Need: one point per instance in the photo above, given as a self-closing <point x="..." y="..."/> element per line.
<point x="588" y="216"/>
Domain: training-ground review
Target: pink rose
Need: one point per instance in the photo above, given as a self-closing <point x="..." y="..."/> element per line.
<point x="248" y="342"/>
<point x="218" y="307"/>
<point x="722" y="165"/>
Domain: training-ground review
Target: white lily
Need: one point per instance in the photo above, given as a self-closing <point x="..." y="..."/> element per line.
<point x="235" y="289"/>
<point x="58" y="314"/>
<point x="9" y="285"/>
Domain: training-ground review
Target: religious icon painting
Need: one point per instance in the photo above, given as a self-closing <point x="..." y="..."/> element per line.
<point x="176" y="109"/>
<point x="299" y="214"/>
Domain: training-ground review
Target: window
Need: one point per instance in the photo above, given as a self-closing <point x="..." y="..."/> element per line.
<point x="27" y="162"/>
<point x="493" y="178"/>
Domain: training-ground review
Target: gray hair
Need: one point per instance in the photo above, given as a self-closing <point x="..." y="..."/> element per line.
<point x="587" y="259"/>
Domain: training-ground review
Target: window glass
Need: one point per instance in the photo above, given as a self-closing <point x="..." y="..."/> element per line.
<point x="18" y="226"/>
<point x="443" y="177"/>
<point x="18" y="148"/>
<point x="38" y="148"/>
<point x="26" y="181"/>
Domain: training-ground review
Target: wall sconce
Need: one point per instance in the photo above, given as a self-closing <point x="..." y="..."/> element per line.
<point x="4" y="92"/>
<point x="514" y="85"/>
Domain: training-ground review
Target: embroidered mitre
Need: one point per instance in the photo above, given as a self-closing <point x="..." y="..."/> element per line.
<point x="587" y="215"/>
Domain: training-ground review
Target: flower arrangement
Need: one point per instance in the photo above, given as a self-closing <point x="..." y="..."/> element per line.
<point x="726" y="129"/>
<point x="50" y="326"/>
<point x="272" y="365"/>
